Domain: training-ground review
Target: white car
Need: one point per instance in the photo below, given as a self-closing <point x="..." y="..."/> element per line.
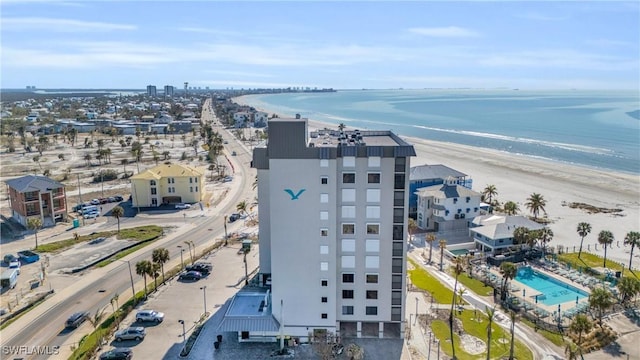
<point x="95" y="202"/>
<point x="91" y="215"/>
<point x="15" y="264"/>
<point x="149" y="315"/>
<point x="183" y="206"/>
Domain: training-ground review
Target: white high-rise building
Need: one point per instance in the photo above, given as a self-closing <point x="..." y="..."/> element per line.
<point x="333" y="229"/>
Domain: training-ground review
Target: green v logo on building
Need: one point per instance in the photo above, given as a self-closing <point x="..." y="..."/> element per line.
<point x="294" y="196"/>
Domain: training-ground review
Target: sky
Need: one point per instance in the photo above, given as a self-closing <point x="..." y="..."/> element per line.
<point x="342" y="45"/>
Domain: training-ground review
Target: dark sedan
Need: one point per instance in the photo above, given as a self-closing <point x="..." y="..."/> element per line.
<point x="117" y="354"/>
<point x="191" y="275"/>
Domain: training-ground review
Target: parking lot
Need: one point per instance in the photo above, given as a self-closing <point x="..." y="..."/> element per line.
<point x="185" y="300"/>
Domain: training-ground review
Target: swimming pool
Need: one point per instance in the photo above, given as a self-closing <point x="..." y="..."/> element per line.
<point x="553" y="291"/>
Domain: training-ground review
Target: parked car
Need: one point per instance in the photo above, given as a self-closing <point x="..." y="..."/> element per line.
<point x="132" y="333"/>
<point x="76" y="319"/>
<point x="190" y="275"/>
<point x="233" y="153"/>
<point x="117" y="354"/>
<point x="201" y="267"/>
<point x="149" y="315"/>
<point x="95" y="202"/>
<point x="119" y="198"/>
<point x="8" y="258"/>
<point x="104" y="200"/>
<point x="112" y="199"/>
<point x="183" y="206"/>
<point x="15" y="264"/>
<point x="91" y="215"/>
<point x="234" y="217"/>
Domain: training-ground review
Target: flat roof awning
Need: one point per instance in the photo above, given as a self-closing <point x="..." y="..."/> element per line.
<point x="232" y="323"/>
<point x="249" y="311"/>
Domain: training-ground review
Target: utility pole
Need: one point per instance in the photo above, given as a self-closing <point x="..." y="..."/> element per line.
<point x="102" y="182"/>
<point x="80" y="196"/>
<point x="226" y="237"/>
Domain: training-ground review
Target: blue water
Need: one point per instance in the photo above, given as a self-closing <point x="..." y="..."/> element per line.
<point x="598" y="129"/>
<point x="554" y="291"/>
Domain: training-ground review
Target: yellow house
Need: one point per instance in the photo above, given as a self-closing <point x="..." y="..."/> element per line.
<point x="167" y="184"/>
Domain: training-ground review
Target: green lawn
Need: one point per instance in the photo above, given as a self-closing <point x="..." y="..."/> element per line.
<point x="475" y="285"/>
<point x="425" y="281"/>
<point x="555" y="338"/>
<point x="592" y="261"/>
<point x="499" y="348"/>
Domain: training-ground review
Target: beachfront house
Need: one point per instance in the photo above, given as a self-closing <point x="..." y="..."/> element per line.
<point x="427" y="175"/>
<point x="167" y="184"/>
<point x="37" y="196"/>
<point x="447" y="206"/>
<point x="493" y="234"/>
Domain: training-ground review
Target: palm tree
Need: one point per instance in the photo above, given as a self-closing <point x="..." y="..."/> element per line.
<point x="583" y="229"/>
<point x="571" y="351"/>
<point x="513" y="316"/>
<point x="546" y="235"/>
<point x="489" y="192"/>
<point x="114" y="300"/>
<point x="87" y="157"/>
<point x="511" y="208"/>
<point x="155" y="272"/>
<point x="508" y="270"/>
<point x="160" y="256"/>
<point x="36" y="159"/>
<point x="632" y="238"/>
<point x="521" y="235"/>
<point x="536" y="203"/>
<point x="143" y="268"/>
<point x="458" y="269"/>
<point x="600" y="300"/>
<point x="443" y="245"/>
<point x="95" y="321"/>
<point x="605" y="238"/>
<point x="580" y="324"/>
<point x="490" y="312"/>
<point x="34" y="224"/>
<point x="628" y="287"/>
<point x="430" y="238"/>
<point x="117" y="212"/>
<point x="242" y="207"/>
<point x="412" y="226"/>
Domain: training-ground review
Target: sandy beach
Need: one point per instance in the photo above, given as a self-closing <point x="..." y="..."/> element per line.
<point x="517" y="177"/>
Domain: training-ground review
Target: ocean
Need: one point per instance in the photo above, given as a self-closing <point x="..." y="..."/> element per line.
<point x="598" y="129"/>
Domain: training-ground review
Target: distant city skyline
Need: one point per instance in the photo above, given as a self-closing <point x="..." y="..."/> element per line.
<point x="341" y="45"/>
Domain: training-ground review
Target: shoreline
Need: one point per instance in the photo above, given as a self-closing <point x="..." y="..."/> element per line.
<point x="516" y="177"/>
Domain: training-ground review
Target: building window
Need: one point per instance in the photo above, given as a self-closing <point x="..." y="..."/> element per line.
<point x="190" y="188"/>
<point x="171" y="181"/>
<point x="373" y="229"/>
<point x="372" y="278"/>
<point x="196" y="180"/>
<point x="348" y="261"/>
<point x="347" y="310"/>
<point x="348" y="229"/>
<point x="374" y="161"/>
<point x="398" y="232"/>
<point x="372" y="294"/>
<point x="324" y="180"/>
<point x="348" y="277"/>
<point x="373" y="195"/>
<point x="324" y="282"/>
<point x="196" y="189"/>
<point x="324" y="162"/>
<point x="348" y="245"/>
<point x="190" y="180"/>
<point x="398" y="215"/>
<point x="152" y="182"/>
<point x="348" y="195"/>
<point x="372" y="245"/>
<point x="349" y="178"/>
<point x="323" y="315"/>
<point x="372" y="262"/>
<point x="324" y="198"/>
<point x="400" y="164"/>
<point x="324" y="232"/>
<point x="373" y="178"/>
<point x="349" y="161"/>
<point x="324" y="249"/>
<point x="398" y="181"/>
<point x="324" y="266"/>
<point x="323" y="299"/>
<point x="154" y="191"/>
<point x="372" y="310"/>
<point x="154" y="202"/>
<point x="347" y="294"/>
<point x="373" y="212"/>
<point x="455" y="200"/>
<point x="348" y="212"/>
<point x="324" y="215"/>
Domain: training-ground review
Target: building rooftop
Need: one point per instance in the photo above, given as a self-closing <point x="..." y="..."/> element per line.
<point x="502" y="227"/>
<point x="33" y="183"/>
<point x="447" y="191"/>
<point x="168" y="170"/>
<point x="249" y="310"/>
<point x="334" y="138"/>
<point x="424" y="172"/>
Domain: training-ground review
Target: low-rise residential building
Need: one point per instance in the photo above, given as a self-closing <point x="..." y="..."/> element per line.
<point x="428" y="175"/>
<point x="241" y="119"/>
<point x="167" y="184"/>
<point x="493" y="234"/>
<point x="37" y="196"/>
<point x="448" y="206"/>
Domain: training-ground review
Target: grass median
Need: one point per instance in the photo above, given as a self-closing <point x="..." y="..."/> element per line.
<point x="140" y="233"/>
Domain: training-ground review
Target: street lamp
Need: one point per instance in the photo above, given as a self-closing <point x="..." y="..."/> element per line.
<point x="181" y="259"/>
<point x="204" y="294"/>
<point x="131" y="276"/>
<point x="226" y="237"/>
<point x="184" y="334"/>
<point x="246" y="274"/>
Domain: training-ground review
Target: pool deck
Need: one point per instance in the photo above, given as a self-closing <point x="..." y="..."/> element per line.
<point x="531" y="293"/>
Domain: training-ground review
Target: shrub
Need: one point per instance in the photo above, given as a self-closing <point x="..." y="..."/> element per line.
<point x="106" y="175"/>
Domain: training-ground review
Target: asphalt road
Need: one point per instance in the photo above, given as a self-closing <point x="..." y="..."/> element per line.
<point x="96" y="287"/>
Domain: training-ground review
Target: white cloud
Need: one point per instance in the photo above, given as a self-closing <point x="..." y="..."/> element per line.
<point x="559" y="58"/>
<point x="60" y="25"/>
<point x="448" y="32"/>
